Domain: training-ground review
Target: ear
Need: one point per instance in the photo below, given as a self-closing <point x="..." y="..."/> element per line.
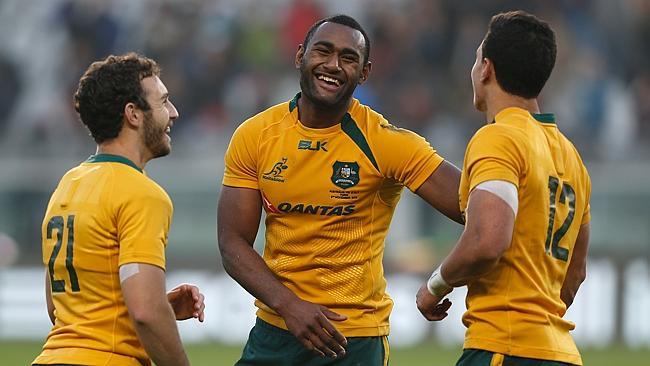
<point x="365" y="72"/>
<point x="299" y="55"/>
<point x="133" y="116"/>
<point x="487" y="70"/>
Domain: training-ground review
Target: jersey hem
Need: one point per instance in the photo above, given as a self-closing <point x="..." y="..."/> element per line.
<point x="519" y="351"/>
<point x="488" y="177"/>
<point x="240" y="183"/>
<point x="138" y="258"/>
<point x="85" y="356"/>
<point x="424" y="175"/>
<point x="362" y="331"/>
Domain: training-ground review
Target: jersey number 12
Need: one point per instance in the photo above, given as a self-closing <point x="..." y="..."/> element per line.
<point x="57" y="223"/>
<point x="567" y="196"/>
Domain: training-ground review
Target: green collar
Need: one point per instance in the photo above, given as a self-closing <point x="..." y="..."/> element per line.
<point x="110" y="158"/>
<point x="544" y="117"/>
<point x="294" y="102"/>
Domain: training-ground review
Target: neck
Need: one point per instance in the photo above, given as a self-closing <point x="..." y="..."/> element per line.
<point x="130" y="151"/>
<point x="316" y="116"/>
<point x="503" y="100"/>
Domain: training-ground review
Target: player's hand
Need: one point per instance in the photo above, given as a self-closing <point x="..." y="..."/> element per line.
<point x="430" y="305"/>
<point x="187" y="302"/>
<point x="310" y="323"/>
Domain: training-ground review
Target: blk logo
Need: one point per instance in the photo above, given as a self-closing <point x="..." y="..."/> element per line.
<point x="312" y="145"/>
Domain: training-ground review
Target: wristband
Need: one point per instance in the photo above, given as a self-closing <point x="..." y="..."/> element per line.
<point x="437" y="285"/>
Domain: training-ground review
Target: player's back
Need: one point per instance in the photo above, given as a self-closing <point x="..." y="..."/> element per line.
<point x="83" y="231"/>
<point x="516" y="308"/>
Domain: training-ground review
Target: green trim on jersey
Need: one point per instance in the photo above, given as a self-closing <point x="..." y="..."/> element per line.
<point x="110" y="158"/>
<point x="294" y="102"/>
<point x="544" y="117"/>
<point x="349" y="126"/>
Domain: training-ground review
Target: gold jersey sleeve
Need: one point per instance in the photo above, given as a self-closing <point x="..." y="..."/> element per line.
<point x="494" y="154"/>
<point x="103" y="214"/>
<point x="329" y="195"/>
<point x="516" y="309"/>
<point x="404" y="156"/>
<point x="241" y="156"/>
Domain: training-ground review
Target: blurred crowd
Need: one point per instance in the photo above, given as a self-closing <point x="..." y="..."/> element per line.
<point x="225" y="60"/>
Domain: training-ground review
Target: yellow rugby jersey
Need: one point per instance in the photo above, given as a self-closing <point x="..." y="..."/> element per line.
<point x="329" y="196"/>
<point x="104" y="213"/>
<point x="516" y="308"/>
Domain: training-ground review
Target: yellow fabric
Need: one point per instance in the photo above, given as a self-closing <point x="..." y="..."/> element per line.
<point x="325" y="241"/>
<point x="384" y="340"/>
<point x="119" y="216"/>
<point x="497" y="359"/>
<point x="516" y="308"/>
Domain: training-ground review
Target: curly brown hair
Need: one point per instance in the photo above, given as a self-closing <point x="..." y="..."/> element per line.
<point x="106" y="87"/>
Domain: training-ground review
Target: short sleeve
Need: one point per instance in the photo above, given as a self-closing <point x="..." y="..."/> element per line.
<point x="405" y="156"/>
<point x="241" y="159"/>
<point x="143" y="222"/>
<point x="493" y="154"/>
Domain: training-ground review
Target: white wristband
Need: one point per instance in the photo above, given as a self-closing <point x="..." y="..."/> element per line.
<point x="437" y="285"/>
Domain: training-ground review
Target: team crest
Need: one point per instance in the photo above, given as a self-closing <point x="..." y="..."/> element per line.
<point x="345" y="174"/>
<point x="275" y="174"/>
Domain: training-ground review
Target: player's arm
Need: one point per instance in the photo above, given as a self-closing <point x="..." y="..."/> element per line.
<point x="487" y="235"/>
<point x="577" y="271"/>
<point x="48" y="297"/>
<point x="143" y="287"/>
<point x="238" y="218"/>
<point x="440" y="190"/>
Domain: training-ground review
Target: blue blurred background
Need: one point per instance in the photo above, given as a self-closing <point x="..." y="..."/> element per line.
<point x="226" y="60"/>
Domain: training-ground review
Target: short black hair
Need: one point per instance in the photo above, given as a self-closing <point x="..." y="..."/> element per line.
<point x="106" y="87"/>
<point x="343" y="20"/>
<point x="522" y="49"/>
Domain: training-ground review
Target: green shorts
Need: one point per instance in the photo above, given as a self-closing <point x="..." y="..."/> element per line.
<point x="479" y="357"/>
<point x="270" y="345"/>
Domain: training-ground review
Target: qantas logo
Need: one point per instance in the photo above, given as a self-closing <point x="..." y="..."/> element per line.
<point x="268" y="205"/>
<point x="312" y="145"/>
<point x="323" y="210"/>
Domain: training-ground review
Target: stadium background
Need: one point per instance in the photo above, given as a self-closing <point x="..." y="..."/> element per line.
<point x="226" y="60"/>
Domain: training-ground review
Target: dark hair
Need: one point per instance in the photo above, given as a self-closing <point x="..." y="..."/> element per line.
<point x="343" y="20"/>
<point x="106" y="87"/>
<point x="522" y="49"/>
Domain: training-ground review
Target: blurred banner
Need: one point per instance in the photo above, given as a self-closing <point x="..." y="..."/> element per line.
<point x="603" y="311"/>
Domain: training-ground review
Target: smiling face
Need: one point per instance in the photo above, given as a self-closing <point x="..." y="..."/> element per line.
<point x="332" y="65"/>
<point x="159" y="119"/>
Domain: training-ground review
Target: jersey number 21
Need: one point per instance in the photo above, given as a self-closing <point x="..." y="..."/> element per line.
<point x="57" y="223"/>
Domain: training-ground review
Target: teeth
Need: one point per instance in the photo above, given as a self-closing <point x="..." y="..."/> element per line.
<point x="168" y="129"/>
<point x="328" y="79"/>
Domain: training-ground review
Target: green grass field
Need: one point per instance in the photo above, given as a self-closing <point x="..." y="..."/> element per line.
<point x="22" y="353"/>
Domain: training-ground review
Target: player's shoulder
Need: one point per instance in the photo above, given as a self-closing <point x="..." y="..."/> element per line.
<point x="374" y="123"/>
<point x="497" y="132"/>
<point x="266" y="118"/>
<point x="364" y="116"/>
<point x="496" y="138"/>
<point x="127" y="182"/>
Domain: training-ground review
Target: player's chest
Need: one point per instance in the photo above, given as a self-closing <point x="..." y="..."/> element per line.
<point x="331" y="171"/>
